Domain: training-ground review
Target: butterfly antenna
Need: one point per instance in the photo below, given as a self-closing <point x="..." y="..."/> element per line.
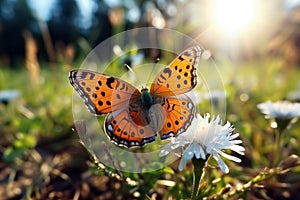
<point x="152" y="71"/>
<point x="134" y="74"/>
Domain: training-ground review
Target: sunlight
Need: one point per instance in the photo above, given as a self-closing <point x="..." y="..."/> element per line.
<point x="233" y="15"/>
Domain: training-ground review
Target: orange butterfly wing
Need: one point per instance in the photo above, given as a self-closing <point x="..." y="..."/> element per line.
<point x="126" y="124"/>
<point x="172" y="82"/>
<point x="179" y="76"/>
<point x="101" y="93"/>
<point x="179" y="114"/>
<point x="124" y="129"/>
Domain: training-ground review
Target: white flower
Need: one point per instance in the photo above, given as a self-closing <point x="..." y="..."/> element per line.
<point x="205" y="137"/>
<point x="8" y="95"/>
<point x="280" y="109"/>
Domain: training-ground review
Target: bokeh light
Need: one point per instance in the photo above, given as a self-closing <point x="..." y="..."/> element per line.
<point x="234" y="15"/>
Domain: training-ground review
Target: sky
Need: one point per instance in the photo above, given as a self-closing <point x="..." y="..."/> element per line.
<point x="42" y="8"/>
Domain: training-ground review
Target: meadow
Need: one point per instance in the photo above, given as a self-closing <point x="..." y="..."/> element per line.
<point x="42" y="157"/>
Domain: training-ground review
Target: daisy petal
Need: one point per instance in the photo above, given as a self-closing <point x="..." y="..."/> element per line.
<point x="221" y="163"/>
<point x="280" y="109"/>
<point x="203" y="137"/>
<point x="229" y="157"/>
<point x="182" y="164"/>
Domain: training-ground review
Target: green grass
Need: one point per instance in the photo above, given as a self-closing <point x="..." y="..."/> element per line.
<point x="43" y="115"/>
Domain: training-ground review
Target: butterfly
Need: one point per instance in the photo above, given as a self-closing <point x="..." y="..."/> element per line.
<point x="135" y="117"/>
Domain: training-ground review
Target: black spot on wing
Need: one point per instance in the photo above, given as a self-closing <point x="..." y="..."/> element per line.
<point x="92" y="76"/>
<point x="180" y="58"/>
<point x="100" y="103"/>
<point x="168" y="71"/>
<point x="109" y="81"/>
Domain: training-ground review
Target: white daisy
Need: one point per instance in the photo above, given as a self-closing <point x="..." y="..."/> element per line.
<point x="280" y="109"/>
<point x="205" y="138"/>
<point x="8" y="95"/>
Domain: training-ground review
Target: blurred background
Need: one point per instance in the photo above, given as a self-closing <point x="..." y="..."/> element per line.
<point x="255" y="45"/>
<point x="66" y="30"/>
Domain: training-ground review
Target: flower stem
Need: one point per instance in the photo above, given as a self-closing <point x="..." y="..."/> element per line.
<point x="198" y="174"/>
<point x="278" y="147"/>
<point x="283" y="125"/>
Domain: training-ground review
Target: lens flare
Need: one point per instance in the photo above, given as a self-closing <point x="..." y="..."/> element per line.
<point x="234" y="15"/>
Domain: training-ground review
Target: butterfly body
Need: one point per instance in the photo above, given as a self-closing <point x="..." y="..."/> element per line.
<point x="135" y="117"/>
<point x="147" y="99"/>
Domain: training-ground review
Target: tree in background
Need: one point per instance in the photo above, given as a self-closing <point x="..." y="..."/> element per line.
<point x="64" y="26"/>
<point x="63" y="22"/>
<point x="15" y="18"/>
